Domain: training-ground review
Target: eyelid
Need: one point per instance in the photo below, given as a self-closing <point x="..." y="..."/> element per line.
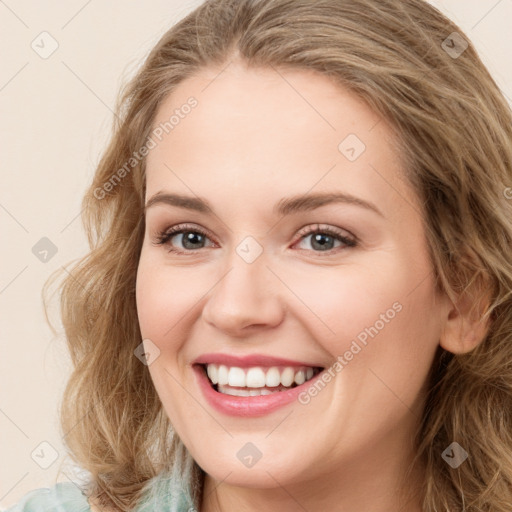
<point x="347" y="239"/>
<point x="177" y="229"/>
<point x="310" y="229"/>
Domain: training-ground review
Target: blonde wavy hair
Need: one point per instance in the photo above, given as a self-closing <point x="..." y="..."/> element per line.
<point x="455" y="133"/>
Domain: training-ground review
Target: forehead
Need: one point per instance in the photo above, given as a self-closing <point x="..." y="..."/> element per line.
<point x="263" y="129"/>
<point x="235" y="98"/>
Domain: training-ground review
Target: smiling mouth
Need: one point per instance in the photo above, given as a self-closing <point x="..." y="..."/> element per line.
<point x="257" y="380"/>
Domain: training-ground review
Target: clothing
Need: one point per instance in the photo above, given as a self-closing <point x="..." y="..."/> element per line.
<point x="67" y="497"/>
<point x="62" y="497"/>
<point x="167" y="492"/>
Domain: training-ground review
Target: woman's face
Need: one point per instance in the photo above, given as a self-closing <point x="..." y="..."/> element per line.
<point x="271" y="265"/>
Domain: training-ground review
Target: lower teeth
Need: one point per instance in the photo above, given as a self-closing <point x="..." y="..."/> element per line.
<point x="227" y="390"/>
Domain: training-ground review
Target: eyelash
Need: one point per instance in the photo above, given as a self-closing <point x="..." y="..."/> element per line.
<point x="165" y="236"/>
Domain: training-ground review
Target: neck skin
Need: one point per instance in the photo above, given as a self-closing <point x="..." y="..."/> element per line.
<point x="373" y="483"/>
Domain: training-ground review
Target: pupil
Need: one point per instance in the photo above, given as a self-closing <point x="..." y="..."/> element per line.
<point x="319" y="239"/>
<point x="189" y="238"/>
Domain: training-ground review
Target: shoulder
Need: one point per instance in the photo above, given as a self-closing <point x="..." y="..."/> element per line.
<point x="63" y="496"/>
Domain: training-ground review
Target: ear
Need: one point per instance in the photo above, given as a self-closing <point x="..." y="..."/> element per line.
<point x="466" y="325"/>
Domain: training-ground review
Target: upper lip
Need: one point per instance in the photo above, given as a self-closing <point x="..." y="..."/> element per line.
<point x="250" y="360"/>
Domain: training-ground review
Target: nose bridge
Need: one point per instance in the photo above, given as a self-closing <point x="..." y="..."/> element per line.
<point x="244" y="295"/>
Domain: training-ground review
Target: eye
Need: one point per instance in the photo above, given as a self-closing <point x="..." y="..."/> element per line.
<point x="191" y="238"/>
<point x="323" y="239"/>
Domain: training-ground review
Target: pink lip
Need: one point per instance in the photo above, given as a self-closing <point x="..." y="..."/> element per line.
<point x="250" y="360"/>
<point x="247" y="406"/>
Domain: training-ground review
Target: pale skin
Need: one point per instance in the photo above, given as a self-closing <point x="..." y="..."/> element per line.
<point x="256" y="137"/>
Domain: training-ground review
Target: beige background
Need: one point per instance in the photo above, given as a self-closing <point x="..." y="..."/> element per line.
<point x="56" y="115"/>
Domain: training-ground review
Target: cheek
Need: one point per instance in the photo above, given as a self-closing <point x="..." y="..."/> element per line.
<point x="340" y="303"/>
<point x="376" y="317"/>
<point x="164" y="297"/>
<point x="397" y="341"/>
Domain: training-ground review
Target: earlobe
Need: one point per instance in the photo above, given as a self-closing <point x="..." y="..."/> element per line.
<point x="466" y="323"/>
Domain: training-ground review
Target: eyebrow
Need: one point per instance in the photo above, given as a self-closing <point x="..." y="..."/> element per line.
<point x="285" y="206"/>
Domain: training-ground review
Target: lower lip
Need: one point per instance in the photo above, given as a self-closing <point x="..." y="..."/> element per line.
<point x="248" y="406"/>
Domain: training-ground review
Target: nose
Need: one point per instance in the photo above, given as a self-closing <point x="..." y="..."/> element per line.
<point x="246" y="297"/>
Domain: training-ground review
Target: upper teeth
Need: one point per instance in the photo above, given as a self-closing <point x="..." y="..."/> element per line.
<point x="258" y="377"/>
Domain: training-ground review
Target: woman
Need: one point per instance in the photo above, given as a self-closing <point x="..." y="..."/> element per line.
<point x="298" y="290"/>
